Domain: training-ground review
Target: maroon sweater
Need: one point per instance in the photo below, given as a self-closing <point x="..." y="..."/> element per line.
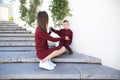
<point x="64" y="32"/>
<point x="42" y="48"/>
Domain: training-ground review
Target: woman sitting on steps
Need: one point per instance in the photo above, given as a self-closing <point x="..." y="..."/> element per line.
<point x="44" y="53"/>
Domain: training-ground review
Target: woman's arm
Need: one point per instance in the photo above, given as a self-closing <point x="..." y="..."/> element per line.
<point x="49" y="33"/>
<point x="56" y="31"/>
<point x="50" y="38"/>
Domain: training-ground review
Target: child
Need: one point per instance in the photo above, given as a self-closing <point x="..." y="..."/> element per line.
<point x="64" y="32"/>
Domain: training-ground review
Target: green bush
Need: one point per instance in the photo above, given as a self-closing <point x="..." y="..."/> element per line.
<point x="59" y="10"/>
<point x="29" y="15"/>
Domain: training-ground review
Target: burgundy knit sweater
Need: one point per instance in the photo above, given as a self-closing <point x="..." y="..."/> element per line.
<point x="42" y="48"/>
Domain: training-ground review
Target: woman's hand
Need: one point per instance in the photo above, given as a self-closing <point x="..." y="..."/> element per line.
<point x="67" y="38"/>
<point x="50" y="29"/>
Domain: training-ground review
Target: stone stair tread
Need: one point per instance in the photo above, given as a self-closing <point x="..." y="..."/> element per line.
<point x="17" y="48"/>
<point x="16" y="35"/>
<point x="29" y="48"/>
<point x="32" y="71"/>
<point x="6" y="22"/>
<point x="21" y="44"/>
<point x="10" y="24"/>
<point x="93" y="71"/>
<point x="18" y="38"/>
<point x="13" y="31"/>
<point x="31" y="57"/>
<point x="20" y="52"/>
<point x="10" y="27"/>
<point x="62" y="71"/>
<point x="25" y="43"/>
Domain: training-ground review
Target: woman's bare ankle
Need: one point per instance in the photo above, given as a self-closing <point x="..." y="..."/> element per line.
<point x="44" y="60"/>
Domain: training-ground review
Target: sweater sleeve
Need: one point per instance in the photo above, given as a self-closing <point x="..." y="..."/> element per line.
<point x="50" y="38"/>
<point x="71" y="37"/>
<point x="56" y="31"/>
<point x="49" y="33"/>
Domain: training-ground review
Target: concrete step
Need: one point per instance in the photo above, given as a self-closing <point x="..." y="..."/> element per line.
<point x="15" y="32"/>
<point x="8" y="24"/>
<point x="4" y="39"/>
<point x="31" y="57"/>
<point x="3" y="49"/>
<point x="20" y="48"/>
<point x="62" y="71"/>
<point x="16" y="35"/>
<point x="21" y="44"/>
<point x="17" y="51"/>
<point x="12" y="29"/>
<point x="9" y="27"/>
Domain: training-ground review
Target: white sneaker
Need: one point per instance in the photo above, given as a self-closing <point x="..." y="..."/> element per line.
<point x="46" y="65"/>
<point x="51" y="63"/>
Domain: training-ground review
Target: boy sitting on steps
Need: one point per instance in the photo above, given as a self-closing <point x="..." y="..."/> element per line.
<point x="64" y="32"/>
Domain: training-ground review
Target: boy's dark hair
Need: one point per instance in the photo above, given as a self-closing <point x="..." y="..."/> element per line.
<point x="42" y="20"/>
<point x="65" y="21"/>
